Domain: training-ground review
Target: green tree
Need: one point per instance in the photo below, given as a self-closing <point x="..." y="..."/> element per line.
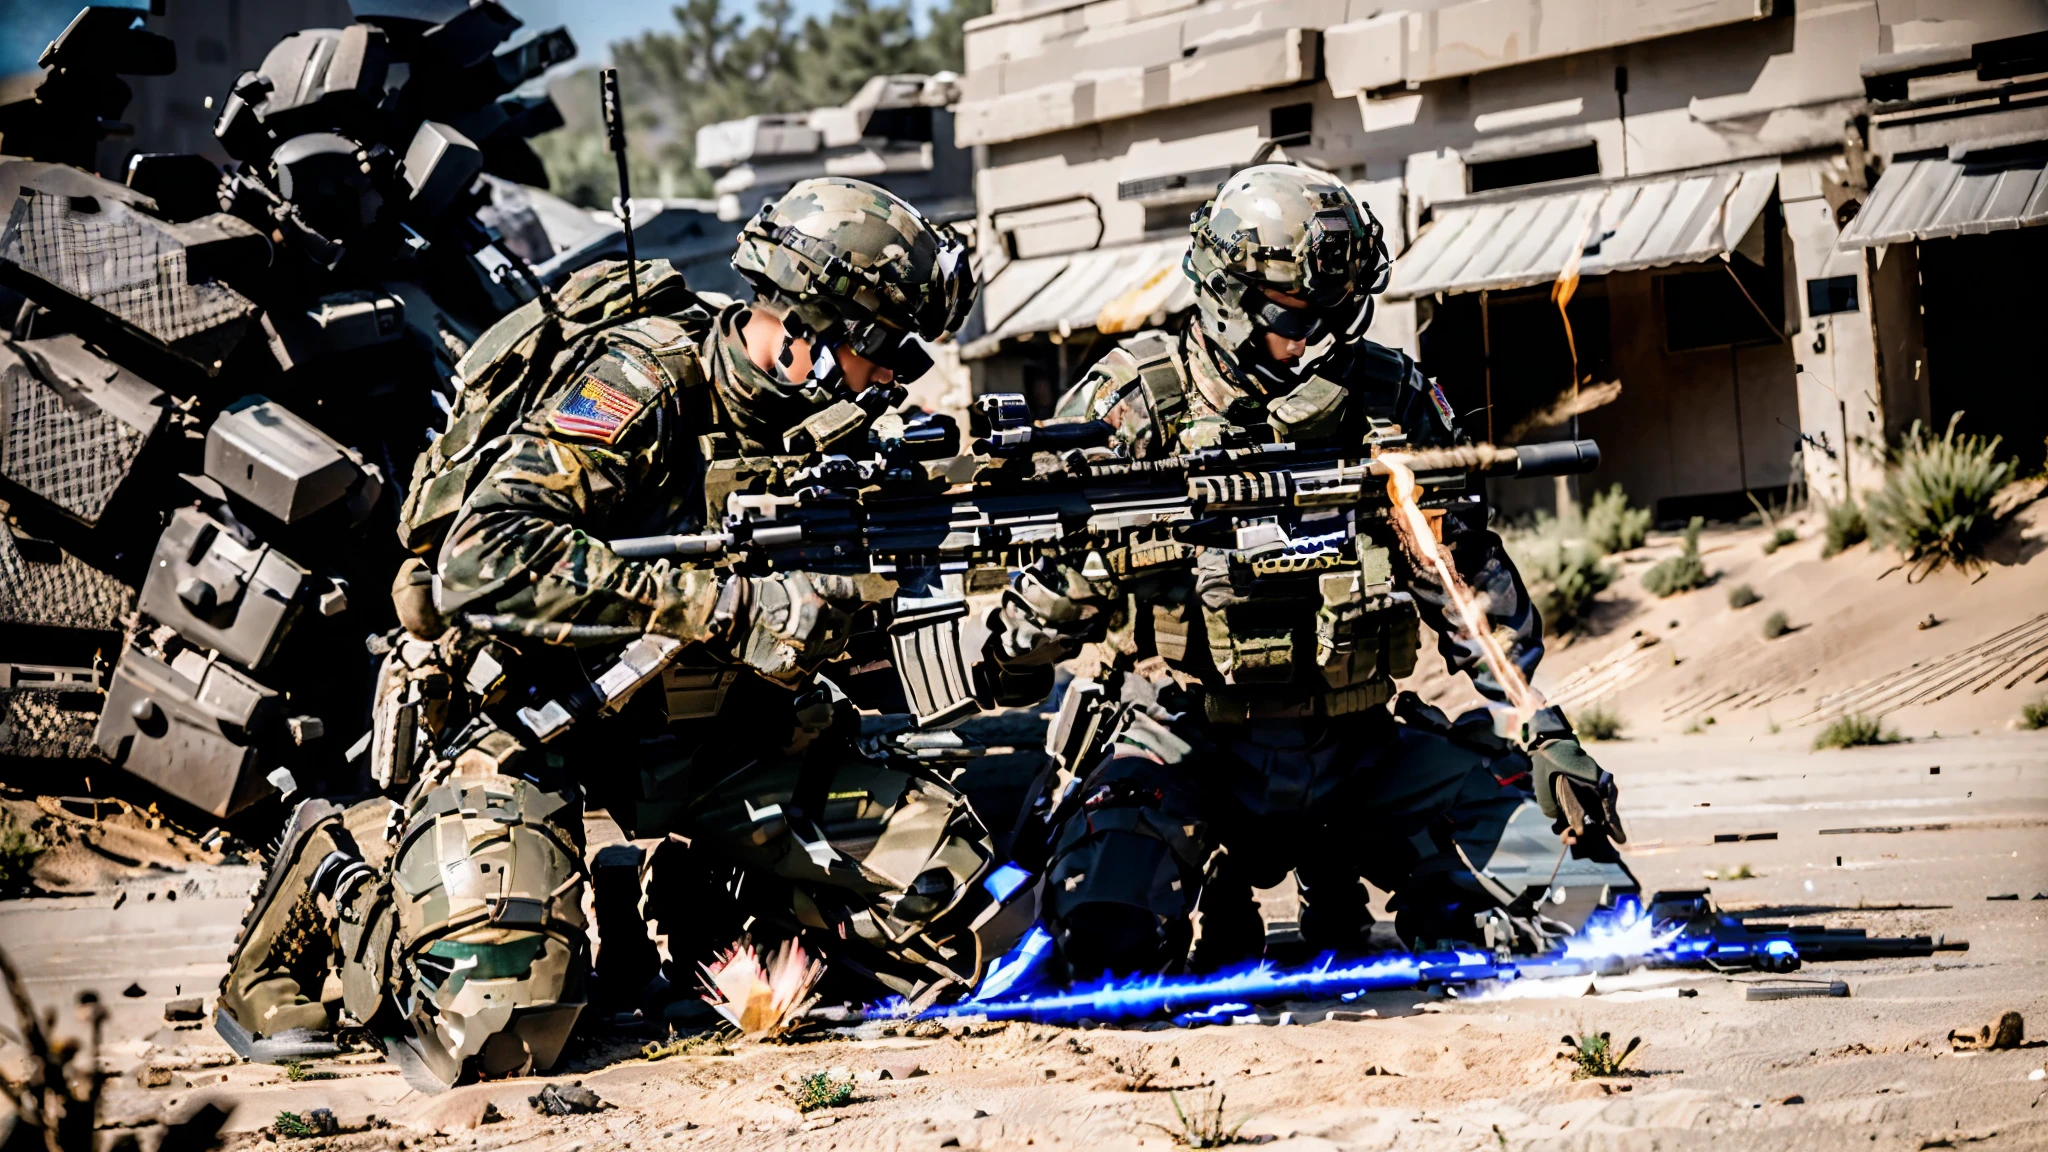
<point x="717" y="65"/>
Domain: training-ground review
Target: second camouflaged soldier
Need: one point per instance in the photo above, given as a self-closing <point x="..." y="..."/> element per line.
<point x="1262" y="741"/>
<point x="455" y="917"/>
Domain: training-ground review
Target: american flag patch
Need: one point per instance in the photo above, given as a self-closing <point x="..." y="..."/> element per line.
<point x="1443" y="405"/>
<point x="593" y="409"/>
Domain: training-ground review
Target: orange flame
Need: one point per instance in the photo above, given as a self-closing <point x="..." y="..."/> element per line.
<point x="762" y="1000"/>
<point x="1414" y="527"/>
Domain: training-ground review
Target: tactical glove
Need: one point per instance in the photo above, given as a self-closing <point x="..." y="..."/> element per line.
<point x="1047" y="612"/>
<point x="1573" y="791"/>
<point x="799" y="620"/>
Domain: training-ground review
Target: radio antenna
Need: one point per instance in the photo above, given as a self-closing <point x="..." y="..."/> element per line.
<point x="615" y="137"/>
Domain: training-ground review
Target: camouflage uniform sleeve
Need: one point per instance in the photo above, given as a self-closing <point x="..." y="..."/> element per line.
<point x="529" y="541"/>
<point x="1111" y="392"/>
<point x="1477" y="555"/>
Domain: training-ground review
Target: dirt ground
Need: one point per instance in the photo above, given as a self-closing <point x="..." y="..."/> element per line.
<point x="1934" y="835"/>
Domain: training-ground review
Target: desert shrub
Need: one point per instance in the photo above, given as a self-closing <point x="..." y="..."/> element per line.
<point x="1681" y="573"/>
<point x="1612" y="526"/>
<point x="1779" y="539"/>
<point x="1775" y="625"/>
<point x="1596" y="1057"/>
<point x="1598" y="722"/>
<point x="20" y="847"/>
<point x="1935" y="506"/>
<point x="2034" y="715"/>
<point x="1563" y="579"/>
<point x="1205" y="1125"/>
<point x="1845" y="528"/>
<point x="1742" y="596"/>
<point x="1854" y="730"/>
<point x="822" y="1090"/>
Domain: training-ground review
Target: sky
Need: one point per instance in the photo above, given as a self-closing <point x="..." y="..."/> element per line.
<point x="27" y="25"/>
<point x="596" y="23"/>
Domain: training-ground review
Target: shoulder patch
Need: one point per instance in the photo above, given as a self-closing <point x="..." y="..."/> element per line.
<point x="593" y="410"/>
<point x="1443" y="405"/>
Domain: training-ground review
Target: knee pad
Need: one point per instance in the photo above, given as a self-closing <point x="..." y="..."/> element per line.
<point x="1120" y="892"/>
<point x="488" y="945"/>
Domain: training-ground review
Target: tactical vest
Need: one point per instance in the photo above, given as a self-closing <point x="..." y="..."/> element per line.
<point x="523" y="357"/>
<point x="1332" y="635"/>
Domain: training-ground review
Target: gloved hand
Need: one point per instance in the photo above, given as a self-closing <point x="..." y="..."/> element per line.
<point x="1576" y="793"/>
<point x="1047" y="612"/>
<point x="798" y="620"/>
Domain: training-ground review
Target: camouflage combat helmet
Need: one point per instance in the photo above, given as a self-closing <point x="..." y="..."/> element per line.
<point x="1294" y="230"/>
<point x="857" y="268"/>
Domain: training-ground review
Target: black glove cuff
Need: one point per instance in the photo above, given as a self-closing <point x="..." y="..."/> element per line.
<point x="1546" y="725"/>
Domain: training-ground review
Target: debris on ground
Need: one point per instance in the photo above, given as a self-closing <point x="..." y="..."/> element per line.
<point x="186" y="1009"/>
<point x="1796" y="990"/>
<point x="2009" y="1031"/>
<point x="697" y="1044"/>
<point x="571" y="1100"/>
<point x="318" y="1122"/>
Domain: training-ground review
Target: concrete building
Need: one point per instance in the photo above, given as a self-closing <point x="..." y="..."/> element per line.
<point x="897" y="131"/>
<point x="1693" y="161"/>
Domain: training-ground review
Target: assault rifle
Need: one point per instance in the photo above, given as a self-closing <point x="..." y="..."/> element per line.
<point x="1277" y="509"/>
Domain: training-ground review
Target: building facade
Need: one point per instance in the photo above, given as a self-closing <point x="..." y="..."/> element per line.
<point x="1686" y="166"/>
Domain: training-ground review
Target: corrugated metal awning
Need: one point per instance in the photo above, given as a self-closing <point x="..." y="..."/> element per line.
<point x="1933" y="197"/>
<point x="1109" y="290"/>
<point x="1518" y="241"/>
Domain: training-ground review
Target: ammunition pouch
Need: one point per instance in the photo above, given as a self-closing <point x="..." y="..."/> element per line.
<point x="695" y="693"/>
<point x="411" y="705"/>
<point x="1273" y="656"/>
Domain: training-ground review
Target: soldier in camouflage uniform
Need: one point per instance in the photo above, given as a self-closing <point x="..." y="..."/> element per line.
<point x="457" y="914"/>
<point x="1260" y="739"/>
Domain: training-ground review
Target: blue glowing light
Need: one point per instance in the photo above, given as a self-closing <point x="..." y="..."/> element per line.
<point x="1623" y="937"/>
<point x="1004" y="881"/>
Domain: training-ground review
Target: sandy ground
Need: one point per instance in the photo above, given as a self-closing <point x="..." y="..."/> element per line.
<point x="1871" y="1071"/>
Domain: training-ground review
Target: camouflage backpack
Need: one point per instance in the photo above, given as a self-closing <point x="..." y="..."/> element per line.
<point x="519" y="359"/>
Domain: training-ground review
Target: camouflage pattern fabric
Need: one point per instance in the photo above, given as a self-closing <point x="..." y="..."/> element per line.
<point x="610" y="451"/>
<point x="1292" y="229"/>
<point x="1123" y="388"/>
<point x="842" y="250"/>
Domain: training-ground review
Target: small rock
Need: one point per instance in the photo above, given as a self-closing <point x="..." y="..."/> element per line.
<point x="556" y="1100"/>
<point x="904" y="1071"/>
<point x="819" y="1122"/>
<point x="1350" y="1016"/>
<point x="1052" y="1074"/>
<point x="1795" y="1098"/>
<point x="949" y="1141"/>
<point x="2004" y="896"/>
<point x="189" y="1008"/>
<point x="152" y="1076"/>
<point x="135" y="991"/>
<point x="2009" y="1031"/>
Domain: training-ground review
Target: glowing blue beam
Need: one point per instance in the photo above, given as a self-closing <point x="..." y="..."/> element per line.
<point x="1016" y="988"/>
